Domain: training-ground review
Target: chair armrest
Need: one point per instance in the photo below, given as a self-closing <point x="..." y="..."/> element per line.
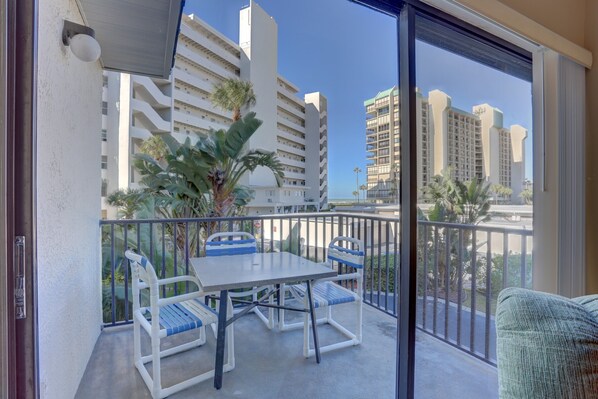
<point x="341" y="277"/>
<point x="178" y="279"/>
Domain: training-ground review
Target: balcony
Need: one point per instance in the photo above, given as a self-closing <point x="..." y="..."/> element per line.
<point x="152" y="120"/>
<point x="270" y="364"/>
<point x="285" y="105"/>
<point x="455" y="310"/>
<point x="289" y="123"/>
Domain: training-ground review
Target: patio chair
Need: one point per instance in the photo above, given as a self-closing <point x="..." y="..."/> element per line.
<point x="165" y="317"/>
<point x="328" y="293"/>
<point x="239" y="243"/>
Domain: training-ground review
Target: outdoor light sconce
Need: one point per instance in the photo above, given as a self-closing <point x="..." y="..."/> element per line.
<point x="81" y="40"/>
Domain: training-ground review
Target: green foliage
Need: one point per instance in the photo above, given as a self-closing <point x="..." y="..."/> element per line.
<point x="114" y="245"/>
<point x="233" y="94"/>
<point x="502" y="192"/>
<point x="527" y="196"/>
<point x="513" y="273"/>
<point x="380" y="271"/>
<point x="155" y="148"/>
<point x="128" y="201"/>
<point x="457" y="202"/>
<point x="454" y="202"/>
<point x="203" y="179"/>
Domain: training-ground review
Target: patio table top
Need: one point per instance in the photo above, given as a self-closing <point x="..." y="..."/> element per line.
<point x="217" y="273"/>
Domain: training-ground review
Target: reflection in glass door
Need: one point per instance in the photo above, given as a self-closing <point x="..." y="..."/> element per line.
<point x="475" y="208"/>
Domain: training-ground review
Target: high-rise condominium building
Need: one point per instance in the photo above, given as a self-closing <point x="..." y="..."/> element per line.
<point x="135" y="108"/>
<point x="383" y="145"/>
<point x="473" y="145"/>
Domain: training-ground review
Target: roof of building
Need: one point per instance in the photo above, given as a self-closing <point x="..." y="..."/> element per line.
<point x="381" y="94"/>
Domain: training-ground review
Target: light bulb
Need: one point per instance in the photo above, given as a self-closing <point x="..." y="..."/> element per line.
<point x="85" y="47"/>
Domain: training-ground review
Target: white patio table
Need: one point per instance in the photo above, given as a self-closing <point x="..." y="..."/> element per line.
<point x="224" y="273"/>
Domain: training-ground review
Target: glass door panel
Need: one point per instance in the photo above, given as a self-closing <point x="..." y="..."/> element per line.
<point x="474" y="172"/>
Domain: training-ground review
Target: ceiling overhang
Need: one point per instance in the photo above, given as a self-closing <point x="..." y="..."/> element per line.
<point x="136" y="36"/>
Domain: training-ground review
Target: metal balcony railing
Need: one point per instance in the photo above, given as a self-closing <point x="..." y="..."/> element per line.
<point x="460" y="270"/>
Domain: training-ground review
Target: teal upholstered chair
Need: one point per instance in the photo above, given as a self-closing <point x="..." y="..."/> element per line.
<point x="547" y="345"/>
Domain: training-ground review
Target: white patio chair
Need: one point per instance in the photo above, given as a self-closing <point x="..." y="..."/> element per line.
<point x="239" y="243"/>
<point x="169" y="316"/>
<point x="327" y="293"/>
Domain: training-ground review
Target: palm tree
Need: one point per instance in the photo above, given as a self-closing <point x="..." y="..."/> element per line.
<point x="474" y="201"/>
<point x="443" y="192"/>
<point x="357" y="172"/>
<point x="154" y="147"/>
<point x="224" y="152"/>
<point x="203" y="179"/>
<point x="364" y="188"/>
<point x="527" y="196"/>
<point x="233" y="95"/>
<point x="454" y="202"/>
<point x="356" y="195"/>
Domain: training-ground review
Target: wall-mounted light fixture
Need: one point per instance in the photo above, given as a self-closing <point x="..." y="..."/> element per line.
<point x="81" y="40"/>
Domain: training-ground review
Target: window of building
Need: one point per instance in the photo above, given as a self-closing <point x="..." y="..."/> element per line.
<point x="104" y="163"/>
<point x="104" y="135"/>
<point x="104" y="187"/>
<point x="104" y="108"/>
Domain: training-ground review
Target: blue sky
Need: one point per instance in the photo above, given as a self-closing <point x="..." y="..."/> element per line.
<point x="349" y="53"/>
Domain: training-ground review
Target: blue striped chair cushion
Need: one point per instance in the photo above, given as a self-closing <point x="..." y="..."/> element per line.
<point x="326" y="293"/>
<point x="349" y="257"/>
<point x="186" y="315"/>
<point x="231" y="247"/>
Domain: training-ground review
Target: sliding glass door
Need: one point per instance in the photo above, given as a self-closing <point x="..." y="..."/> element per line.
<point x="473" y="118"/>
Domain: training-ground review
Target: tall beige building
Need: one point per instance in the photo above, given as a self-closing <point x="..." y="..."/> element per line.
<point x="295" y="127"/>
<point x="474" y="145"/>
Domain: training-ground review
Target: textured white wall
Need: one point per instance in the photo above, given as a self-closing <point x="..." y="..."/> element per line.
<point x="68" y="205"/>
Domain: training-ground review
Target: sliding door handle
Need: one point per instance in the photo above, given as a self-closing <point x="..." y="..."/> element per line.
<point x="19" y="273"/>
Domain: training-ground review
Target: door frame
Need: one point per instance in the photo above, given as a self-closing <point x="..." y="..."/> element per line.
<point x="17" y="195"/>
<point x="5" y="361"/>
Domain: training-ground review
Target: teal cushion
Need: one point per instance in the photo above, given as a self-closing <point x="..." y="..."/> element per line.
<point x="547" y="345"/>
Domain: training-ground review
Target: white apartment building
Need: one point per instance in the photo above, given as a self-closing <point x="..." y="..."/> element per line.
<point x="475" y="145"/>
<point x="135" y="108"/>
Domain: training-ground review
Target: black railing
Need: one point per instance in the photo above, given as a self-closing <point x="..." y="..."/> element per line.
<point x="457" y="285"/>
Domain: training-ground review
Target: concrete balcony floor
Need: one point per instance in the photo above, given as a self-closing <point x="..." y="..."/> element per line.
<point x="270" y="364"/>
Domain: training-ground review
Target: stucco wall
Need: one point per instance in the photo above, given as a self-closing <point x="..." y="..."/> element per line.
<point x="591" y="43"/>
<point x="562" y="17"/>
<point x="68" y="198"/>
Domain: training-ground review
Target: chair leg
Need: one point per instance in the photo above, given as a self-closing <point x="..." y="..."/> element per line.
<point x="202" y="336"/>
<point x="359" y="319"/>
<point x="230" y="339"/>
<point x="136" y="342"/>
<point x="306" y="327"/>
<point x="271" y="313"/>
<point x="281" y="311"/>
<point x="157" y="381"/>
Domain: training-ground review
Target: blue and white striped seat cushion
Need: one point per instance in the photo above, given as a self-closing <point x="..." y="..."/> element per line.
<point x="231" y="247"/>
<point x="186" y="315"/>
<point x="326" y="293"/>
